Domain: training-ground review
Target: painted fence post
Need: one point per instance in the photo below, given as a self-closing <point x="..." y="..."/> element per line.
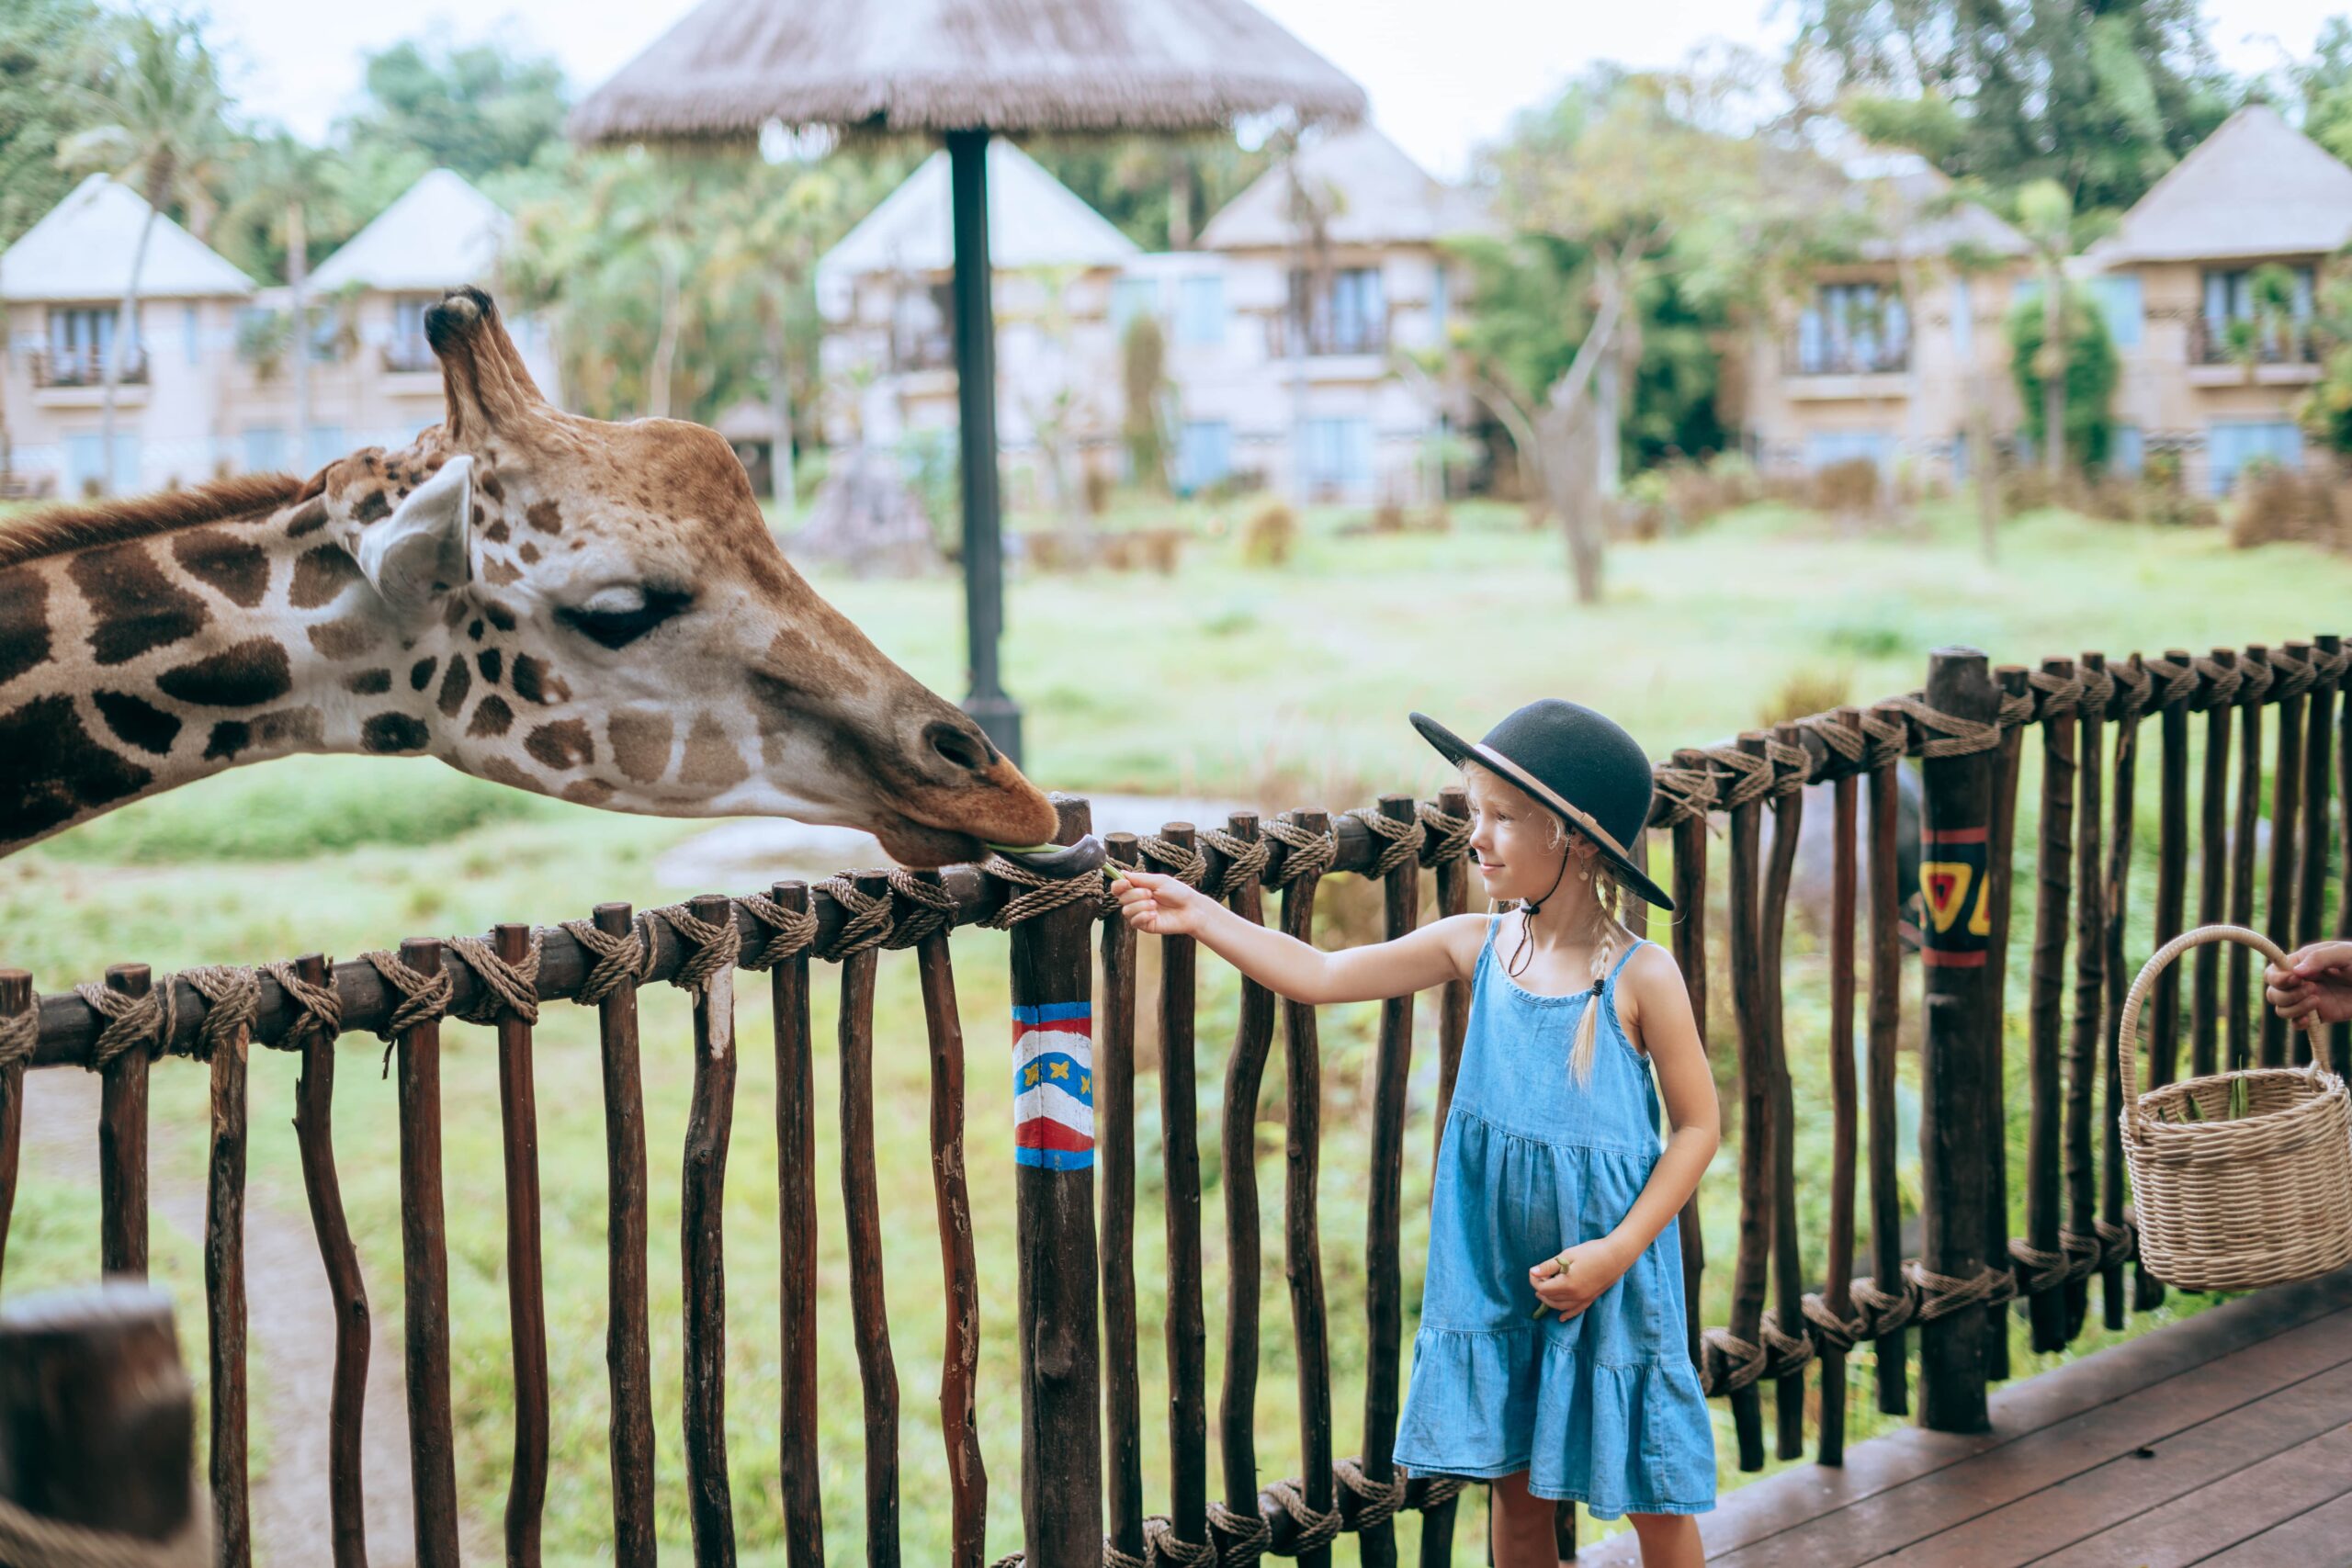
<point x="1954" y="1137"/>
<point x="1061" y="1421"/>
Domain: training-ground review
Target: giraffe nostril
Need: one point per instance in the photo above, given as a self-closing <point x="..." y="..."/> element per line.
<point x="968" y="751"/>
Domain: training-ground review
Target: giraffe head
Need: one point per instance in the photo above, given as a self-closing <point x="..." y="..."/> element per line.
<point x="598" y="611"/>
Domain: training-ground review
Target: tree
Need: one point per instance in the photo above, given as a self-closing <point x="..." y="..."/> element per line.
<point x="40" y="41"/>
<point x="281" y="187"/>
<point x="479" y="109"/>
<point x="2100" y="96"/>
<point x="1156" y="190"/>
<point x="2046" y="218"/>
<point x="1143" y="381"/>
<point x="154" y="104"/>
<point x="2325" y="84"/>
<point x="2072" y="390"/>
<point x="1653" y="180"/>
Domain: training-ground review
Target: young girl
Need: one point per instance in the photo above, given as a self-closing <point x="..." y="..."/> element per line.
<point x="1551" y="1186"/>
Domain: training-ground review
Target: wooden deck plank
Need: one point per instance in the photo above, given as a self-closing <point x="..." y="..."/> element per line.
<point x="2221" y="1514"/>
<point x="1757" y="1512"/>
<point x="2320" y="1539"/>
<point x="1921" y="1509"/>
<point x="2067" y="1510"/>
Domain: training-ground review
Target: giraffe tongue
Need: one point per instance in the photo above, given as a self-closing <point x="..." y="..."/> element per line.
<point x="1061" y="861"/>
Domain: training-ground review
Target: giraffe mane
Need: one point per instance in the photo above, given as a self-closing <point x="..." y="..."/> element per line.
<point x="61" y="530"/>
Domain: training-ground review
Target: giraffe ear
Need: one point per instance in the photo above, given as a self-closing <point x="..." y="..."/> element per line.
<point x="420" y="552"/>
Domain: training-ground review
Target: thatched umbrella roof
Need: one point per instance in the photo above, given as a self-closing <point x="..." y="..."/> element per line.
<point x="936" y="65"/>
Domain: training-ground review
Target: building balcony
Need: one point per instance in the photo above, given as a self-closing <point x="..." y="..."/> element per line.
<point x="1866" y="358"/>
<point x="51" y="369"/>
<point x="2232" y="352"/>
<point x="406" y="356"/>
<point x="1327" y="340"/>
<point x="923" y="350"/>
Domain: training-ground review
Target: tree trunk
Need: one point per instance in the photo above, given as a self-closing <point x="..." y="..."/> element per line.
<point x="123" y="347"/>
<point x="1987" y="484"/>
<point x="786" y="489"/>
<point x="2053" y="383"/>
<point x="1180" y="204"/>
<point x="8" y="358"/>
<point x="665" y="344"/>
<point x="1301" y="313"/>
<point x="1571" y="421"/>
<point x="298" y="279"/>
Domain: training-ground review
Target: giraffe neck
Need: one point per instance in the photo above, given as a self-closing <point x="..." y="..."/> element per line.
<point x="133" y="667"/>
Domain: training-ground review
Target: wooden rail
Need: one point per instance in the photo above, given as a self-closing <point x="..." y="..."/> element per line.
<point x="1086" y="1494"/>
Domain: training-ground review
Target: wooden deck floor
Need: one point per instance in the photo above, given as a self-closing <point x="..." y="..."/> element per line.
<point x="2226" y="1439"/>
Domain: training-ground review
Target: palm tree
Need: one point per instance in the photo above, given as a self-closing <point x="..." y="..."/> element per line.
<point x="154" y="101"/>
<point x="2046" y="215"/>
<point x="283" y="185"/>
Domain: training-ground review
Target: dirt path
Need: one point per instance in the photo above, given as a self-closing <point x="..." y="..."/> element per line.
<point x="289" y="1337"/>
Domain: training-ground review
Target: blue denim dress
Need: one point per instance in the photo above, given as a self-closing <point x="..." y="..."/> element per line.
<point x="1604" y="1408"/>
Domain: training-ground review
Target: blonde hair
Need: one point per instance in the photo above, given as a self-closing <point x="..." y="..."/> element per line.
<point x="1606" y="897"/>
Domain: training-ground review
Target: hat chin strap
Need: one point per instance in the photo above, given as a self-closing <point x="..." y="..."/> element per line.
<point x="1535" y="906"/>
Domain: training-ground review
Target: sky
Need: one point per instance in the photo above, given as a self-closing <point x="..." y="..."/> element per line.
<point x="1439" y="88"/>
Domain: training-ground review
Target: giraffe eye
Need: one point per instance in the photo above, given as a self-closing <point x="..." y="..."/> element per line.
<point x="618" y="617"/>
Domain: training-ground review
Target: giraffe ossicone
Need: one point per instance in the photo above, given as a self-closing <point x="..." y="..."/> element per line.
<point x="586" y="609"/>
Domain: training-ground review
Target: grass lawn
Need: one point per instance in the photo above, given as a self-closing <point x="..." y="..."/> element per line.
<point x="1282" y="686"/>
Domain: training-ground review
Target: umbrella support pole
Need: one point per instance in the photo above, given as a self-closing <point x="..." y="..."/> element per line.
<point x="997" y="715"/>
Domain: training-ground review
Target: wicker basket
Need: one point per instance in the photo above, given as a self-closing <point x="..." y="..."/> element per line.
<point x="2235" y="1203"/>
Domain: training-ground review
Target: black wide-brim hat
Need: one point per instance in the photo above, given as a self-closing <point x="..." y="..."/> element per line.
<point x="1580" y="765"/>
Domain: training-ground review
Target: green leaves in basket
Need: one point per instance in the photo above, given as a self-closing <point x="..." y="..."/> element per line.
<point x="2189" y="1112"/>
<point x="2238" y="1102"/>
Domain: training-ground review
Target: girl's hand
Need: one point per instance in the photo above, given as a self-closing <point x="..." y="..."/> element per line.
<point x="2315" y="980"/>
<point x="1158" y="905"/>
<point x="1574" y="1281"/>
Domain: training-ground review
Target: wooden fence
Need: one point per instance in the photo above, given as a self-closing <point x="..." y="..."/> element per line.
<point x="1969" y="729"/>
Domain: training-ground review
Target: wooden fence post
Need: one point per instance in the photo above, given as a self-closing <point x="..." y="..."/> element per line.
<point x="98" y="1418"/>
<point x="15" y="1002"/>
<point x="1061" y="1427"/>
<point x="1953" y="1137"/>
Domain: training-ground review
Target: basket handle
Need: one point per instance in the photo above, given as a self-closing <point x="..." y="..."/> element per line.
<point x="2126" y="1039"/>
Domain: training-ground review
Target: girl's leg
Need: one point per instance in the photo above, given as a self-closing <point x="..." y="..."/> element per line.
<point x="1521" y="1526"/>
<point x="1669" y="1541"/>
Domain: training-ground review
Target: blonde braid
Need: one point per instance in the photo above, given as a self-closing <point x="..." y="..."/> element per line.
<point x="1604" y="896"/>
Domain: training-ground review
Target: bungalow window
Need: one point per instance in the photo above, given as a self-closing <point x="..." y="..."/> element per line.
<point x="80" y="339"/>
<point x="1349" y="314"/>
<point x="2245" y="295"/>
<point x="407" y="349"/>
<point x="1853" y="329"/>
<point x="1200" y="310"/>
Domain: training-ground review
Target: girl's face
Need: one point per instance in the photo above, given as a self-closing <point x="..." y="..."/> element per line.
<point x="1519" y="855"/>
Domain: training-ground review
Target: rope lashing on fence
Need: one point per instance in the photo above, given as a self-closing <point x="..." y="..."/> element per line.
<point x="317" y="1010"/>
<point x="1843" y="742"/>
<point x="19" y="1034"/>
<point x="2098" y="692"/>
<point x="1941" y="1295"/>
<point x="1832" y="1333"/>
<point x="869" y="922"/>
<point x="2038" y="1269"/>
<point x="2016" y="710"/>
<point x="1446" y="836"/>
<point x="2059" y="695"/>
<point x="2254" y="681"/>
<point x="791" y="932"/>
<point x="2117" y="1243"/>
<point x="1403" y="840"/>
<point x="1242" y="1538"/>
<point x="1889" y="738"/>
<point x="1161" y="1544"/>
<point x="423" y="997"/>
<point x="1786" y="1354"/>
<point x="233" y="1004"/>
<point x="1685" y="790"/>
<point x="1170" y="858"/>
<point x="1728" y="1363"/>
<point x="1245" y="859"/>
<point x="2330" y="667"/>
<point x="1315" y="1529"/>
<point x="34" y="1541"/>
<point x="2221" y="682"/>
<point x="507" y="989"/>
<point x="931" y="908"/>
<point x="1748" y="775"/>
<point x="1042" y="894"/>
<point x="151" y="1019"/>
<point x="2134" y="690"/>
<point x="1953" y="736"/>
<point x="1311" y="854"/>
<point x="2180" y="679"/>
<point x="622" y="960"/>
<point x="2291" y="676"/>
<point x="711" y="946"/>
<point x="1365" y="1502"/>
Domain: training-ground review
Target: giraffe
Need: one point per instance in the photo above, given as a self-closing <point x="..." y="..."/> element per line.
<point x="588" y="609"/>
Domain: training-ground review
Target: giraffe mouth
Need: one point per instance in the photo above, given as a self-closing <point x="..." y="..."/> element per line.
<point x="919" y="847"/>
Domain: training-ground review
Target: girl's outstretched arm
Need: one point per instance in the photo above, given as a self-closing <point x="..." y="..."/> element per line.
<point x="1653" y="1005"/>
<point x="1431" y="956"/>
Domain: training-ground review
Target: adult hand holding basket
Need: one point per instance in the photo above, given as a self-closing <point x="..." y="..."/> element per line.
<point x="2234" y="1202"/>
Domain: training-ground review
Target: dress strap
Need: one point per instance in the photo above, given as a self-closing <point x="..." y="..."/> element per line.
<point x="1639" y="944"/>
